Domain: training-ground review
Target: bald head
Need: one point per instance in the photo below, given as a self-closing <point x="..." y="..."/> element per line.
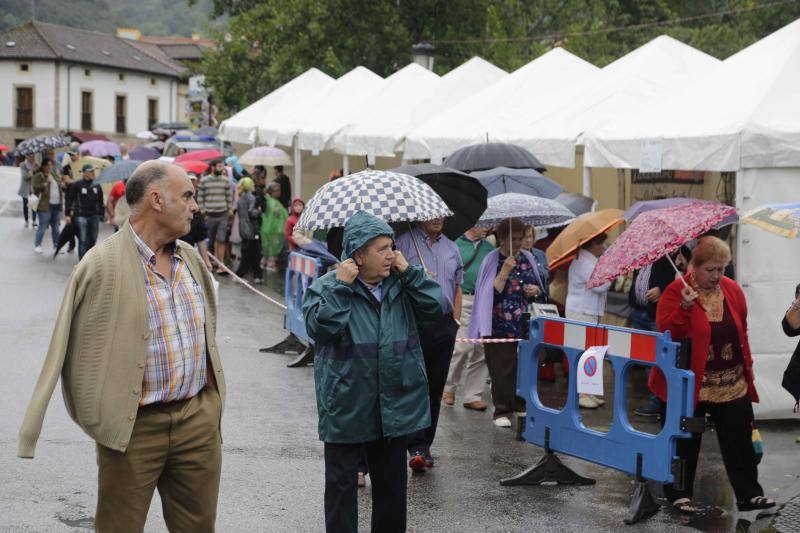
<point x="145" y="175"/>
<point x="161" y="195"/>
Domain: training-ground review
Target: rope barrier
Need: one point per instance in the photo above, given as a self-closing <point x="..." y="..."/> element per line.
<point x="243" y="282"/>
<point x="487" y="341"/>
<point x="272" y="300"/>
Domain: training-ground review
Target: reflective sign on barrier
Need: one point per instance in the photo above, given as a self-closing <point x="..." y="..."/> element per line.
<point x="301" y="272"/>
<point x="622" y="446"/>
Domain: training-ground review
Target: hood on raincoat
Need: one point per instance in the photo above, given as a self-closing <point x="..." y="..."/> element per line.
<point x="360" y="229"/>
<point x="296" y="200"/>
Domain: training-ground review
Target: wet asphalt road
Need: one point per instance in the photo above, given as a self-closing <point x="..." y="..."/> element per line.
<point x="272" y="477"/>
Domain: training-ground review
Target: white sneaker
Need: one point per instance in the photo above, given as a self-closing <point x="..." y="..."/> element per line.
<point x="502" y="422"/>
<point x="521" y="414"/>
<point x="587" y="401"/>
<point x="598" y="400"/>
<point x="38" y="249"/>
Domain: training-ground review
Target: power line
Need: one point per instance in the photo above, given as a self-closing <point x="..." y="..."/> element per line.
<point x="643" y="25"/>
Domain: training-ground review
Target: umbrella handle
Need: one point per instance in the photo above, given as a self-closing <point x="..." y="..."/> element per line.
<point x="678" y="272"/>
<point x="416" y="246"/>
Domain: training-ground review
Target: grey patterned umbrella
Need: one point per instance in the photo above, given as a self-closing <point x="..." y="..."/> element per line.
<point x="492" y="155"/>
<point x="540" y="212"/>
<point x="390" y="196"/>
<point x="41" y="143"/>
<point x="117" y="171"/>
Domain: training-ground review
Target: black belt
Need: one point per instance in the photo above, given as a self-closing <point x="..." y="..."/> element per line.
<point x="163" y="405"/>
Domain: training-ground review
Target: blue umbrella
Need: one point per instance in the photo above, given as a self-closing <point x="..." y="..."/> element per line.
<point x="144" y="153"/>
<point x="520" y="180"/>
<point x="117" y="171"/>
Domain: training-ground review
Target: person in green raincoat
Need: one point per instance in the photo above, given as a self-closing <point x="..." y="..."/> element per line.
<point x="369" y="373"/>
<point x="272" y="222"/>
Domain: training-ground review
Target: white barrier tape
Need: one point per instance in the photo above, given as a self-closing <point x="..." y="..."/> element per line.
<point x="243" y="282"/>
<point x="487" y="341"/>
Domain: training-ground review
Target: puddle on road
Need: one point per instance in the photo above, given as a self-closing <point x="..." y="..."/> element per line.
<point x="82" y="522"/>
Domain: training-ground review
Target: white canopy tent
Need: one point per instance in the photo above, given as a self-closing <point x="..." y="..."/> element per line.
<point x="629" y="86"/>
<point x="382" y="131"/>
<point x="401" y="93"/>
<point x="242" y="127"/>
<point x="545" y="83"/>
<point x="336" y="106"/>
<point x="743" y="117"/>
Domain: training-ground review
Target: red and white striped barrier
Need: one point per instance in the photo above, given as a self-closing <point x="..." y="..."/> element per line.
<point x="304" y="265"/>
<point x="638" y="346"/>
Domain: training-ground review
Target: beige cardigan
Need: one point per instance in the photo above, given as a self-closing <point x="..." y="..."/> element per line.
<point x="99" y="344"/>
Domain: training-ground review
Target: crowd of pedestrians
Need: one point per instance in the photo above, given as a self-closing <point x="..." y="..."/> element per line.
<point x="246" y="221"/>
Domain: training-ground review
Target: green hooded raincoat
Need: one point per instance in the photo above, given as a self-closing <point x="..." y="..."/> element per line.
<point x="369" y="371"/>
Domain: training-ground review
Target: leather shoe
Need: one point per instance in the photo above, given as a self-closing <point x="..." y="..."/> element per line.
<point x="477" y="405"/>
<point x="449" y="398"/>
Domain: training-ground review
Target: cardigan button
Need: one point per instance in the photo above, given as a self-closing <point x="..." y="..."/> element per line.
<point x="132" y="416"/>
<point x="136" y="390"/>
<point x="146" y="336"/>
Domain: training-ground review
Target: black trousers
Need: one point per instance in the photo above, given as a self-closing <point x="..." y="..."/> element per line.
<point x="501" y="360"/>
<point x="251" y="258"/>
<point x="437" y="348"/>
<point x="734" y="424"/>
<point x="388" y="473"/>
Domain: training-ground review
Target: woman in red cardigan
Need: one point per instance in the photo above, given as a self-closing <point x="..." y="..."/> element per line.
<point x="712" y="312"/>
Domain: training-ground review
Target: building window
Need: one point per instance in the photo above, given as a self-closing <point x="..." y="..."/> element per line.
<point x="24" y="107"/>
<point x="122" y="104"/>
<point x="86" y="110"/>
<point x="152" y="112"/>
<point x="121" y="76"/>
<point x="87" y="72"/>
<point x="152" y="81"/>
<point x="24" y="67"/>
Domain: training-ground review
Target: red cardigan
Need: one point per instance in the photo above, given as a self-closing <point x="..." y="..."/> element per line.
<point x="694" y="325"/>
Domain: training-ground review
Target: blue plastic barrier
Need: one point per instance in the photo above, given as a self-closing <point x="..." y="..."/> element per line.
<point x="623" y="447"/>
<point x="301" y="272"/>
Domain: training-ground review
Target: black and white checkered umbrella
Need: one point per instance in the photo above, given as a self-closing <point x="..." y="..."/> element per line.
<point x="390" y="196"/>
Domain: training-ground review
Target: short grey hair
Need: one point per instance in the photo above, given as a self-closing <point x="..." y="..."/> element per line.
<point x="146" y="174"/>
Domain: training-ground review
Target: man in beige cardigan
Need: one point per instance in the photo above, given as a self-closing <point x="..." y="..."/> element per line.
<point x="134" y="345"/>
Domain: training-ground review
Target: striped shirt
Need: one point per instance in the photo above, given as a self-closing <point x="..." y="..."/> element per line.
<point x="176" y="356"/>
<point x="214" y="195"/>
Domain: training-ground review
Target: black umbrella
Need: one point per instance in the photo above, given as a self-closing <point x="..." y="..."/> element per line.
<point x="462" y="193"/>
<point x="528" y="181"/>
<point x="67" y="235"/>
<point x="576" y="202"/>
<point x="485" y="156"/>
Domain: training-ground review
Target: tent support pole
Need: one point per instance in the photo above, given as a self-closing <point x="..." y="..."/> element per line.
<point x="345" y="165"/>
<point x="298" y="170"/>
<point x="587" y="182"/>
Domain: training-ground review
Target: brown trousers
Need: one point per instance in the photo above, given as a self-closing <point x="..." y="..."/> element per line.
<point x="501" y="359"/>
<point x="176" y="448"/>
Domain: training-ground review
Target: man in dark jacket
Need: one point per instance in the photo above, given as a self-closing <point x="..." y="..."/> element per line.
<point x="369" y="371"/>
<point x="84" y="204"/>
<point x="286" y="186"/>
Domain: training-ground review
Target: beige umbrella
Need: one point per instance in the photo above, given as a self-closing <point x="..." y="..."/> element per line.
<point x="581" y="230"/>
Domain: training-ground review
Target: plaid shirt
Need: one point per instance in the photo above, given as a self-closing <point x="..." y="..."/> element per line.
<point x="176" y="356"/>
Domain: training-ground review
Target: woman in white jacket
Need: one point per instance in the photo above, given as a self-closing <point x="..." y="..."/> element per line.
<point x="584" y="304"/>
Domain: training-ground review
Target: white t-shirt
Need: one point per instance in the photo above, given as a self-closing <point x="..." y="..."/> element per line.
<point x="55" y="192"/>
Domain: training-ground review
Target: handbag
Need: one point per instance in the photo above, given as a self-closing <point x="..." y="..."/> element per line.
<point x="33" y="201"/>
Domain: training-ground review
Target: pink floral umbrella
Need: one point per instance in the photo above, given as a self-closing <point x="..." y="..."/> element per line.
<point x="655" y="234"/>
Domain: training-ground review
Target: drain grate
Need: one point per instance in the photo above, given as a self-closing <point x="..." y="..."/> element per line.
<point x="789" y="519"/>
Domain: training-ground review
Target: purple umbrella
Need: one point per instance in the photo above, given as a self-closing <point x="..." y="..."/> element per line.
<point x="143" y="153"/>
<point x="100" y="148"/>
<point x="648" y="205"/>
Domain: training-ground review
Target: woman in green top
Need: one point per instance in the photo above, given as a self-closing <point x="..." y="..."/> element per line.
<point x="272" y="222"/>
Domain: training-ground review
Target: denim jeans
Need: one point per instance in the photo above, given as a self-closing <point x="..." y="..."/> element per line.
<point x="52" y="218"/>
<point x="87" y="233"/>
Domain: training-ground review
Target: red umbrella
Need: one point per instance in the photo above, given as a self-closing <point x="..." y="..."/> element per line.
<point x="200" y="155"/>
<point x="3" y="148"/>
<point x="198" y="167"/>
<point x="654" y="234"/>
